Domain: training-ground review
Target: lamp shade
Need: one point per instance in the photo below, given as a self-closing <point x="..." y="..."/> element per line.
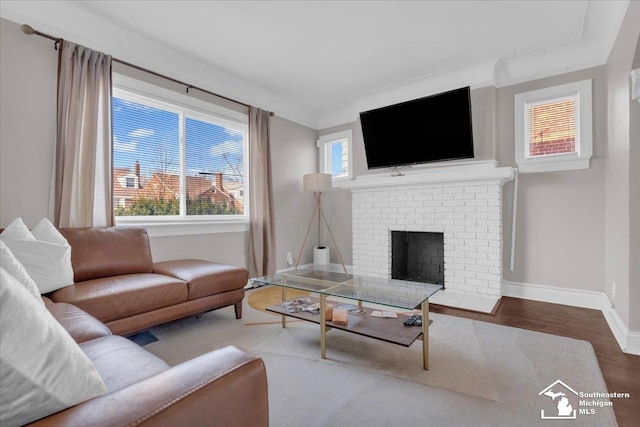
<point x="316" y="182"/>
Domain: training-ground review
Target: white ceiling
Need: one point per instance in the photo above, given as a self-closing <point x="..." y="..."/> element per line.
<point x="320" y="63"/>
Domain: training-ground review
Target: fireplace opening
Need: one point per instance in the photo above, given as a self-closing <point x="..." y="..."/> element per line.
<point x="417" y="256"/>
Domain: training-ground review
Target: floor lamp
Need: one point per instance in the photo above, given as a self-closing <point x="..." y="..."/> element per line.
<point x="318" y="183"/>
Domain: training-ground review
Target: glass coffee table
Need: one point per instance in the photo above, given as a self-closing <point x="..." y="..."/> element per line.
<point x="392" y="293"/>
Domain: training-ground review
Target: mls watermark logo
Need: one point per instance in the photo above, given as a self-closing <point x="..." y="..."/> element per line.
<point x="559" y="393"/>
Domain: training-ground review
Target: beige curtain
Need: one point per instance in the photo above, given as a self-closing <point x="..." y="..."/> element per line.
<point x="81" y="185"/>
<point x="261" y="229"/>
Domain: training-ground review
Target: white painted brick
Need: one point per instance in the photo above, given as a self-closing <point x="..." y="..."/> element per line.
<point x="464" y="235"/>
<point x="478" y="204"/>
<point x="489" y="210"/>
<point x="496" y="257"/>
<point x="476" y="189"/>
<point x="490" y="249"/>
<point x="480" y="217"/>
<point x="476" y="243"/>
<point x="464" y="273"/>
<point x="473" y="212"/>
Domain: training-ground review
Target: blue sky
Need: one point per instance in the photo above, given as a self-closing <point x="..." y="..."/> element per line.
<point x="336" y="159"/>
<point x="151" y="136"/>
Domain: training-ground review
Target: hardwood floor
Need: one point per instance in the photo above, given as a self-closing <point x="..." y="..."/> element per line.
<point x="621" y="371"/>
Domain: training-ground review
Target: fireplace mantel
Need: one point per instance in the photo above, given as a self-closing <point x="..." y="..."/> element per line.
<point x="473" y="173"/>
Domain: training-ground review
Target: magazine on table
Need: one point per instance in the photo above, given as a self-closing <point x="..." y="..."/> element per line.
<point x="296" y="305"/>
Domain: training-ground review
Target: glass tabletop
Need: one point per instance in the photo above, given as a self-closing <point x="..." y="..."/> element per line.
<point x="391" y="292"/>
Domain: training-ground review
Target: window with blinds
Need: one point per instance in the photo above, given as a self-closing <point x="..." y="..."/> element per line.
<point x="552" y="127"/>
<point x="174" y="161"/>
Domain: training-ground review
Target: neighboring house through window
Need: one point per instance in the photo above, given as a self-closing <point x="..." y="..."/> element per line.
<point x="553" y="128"/>
<point x="336" y="155"/>
<point x="176" y="158"/>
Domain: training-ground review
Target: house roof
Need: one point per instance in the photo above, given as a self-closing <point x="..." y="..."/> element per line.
<point x="119" y="190"/>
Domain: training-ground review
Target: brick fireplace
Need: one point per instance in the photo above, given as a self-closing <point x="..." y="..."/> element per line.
<point x="464" y="203"/>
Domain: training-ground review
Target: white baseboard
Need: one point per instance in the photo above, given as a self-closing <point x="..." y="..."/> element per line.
<point x="629" y="341"/>
<point x="328" y="267"/>
<point x="633" y="343"/>
<point x="555" y="295"/>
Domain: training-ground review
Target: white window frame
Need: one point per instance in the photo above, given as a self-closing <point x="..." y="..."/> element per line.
<point x="635" y="84"/>
<point x="324" y="158"/>
<point x="129" y="88"/>
<point x="580" y="91"/>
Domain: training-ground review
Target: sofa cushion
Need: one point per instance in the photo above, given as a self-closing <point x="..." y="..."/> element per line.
<point x="78" y="323"/>
<point x="42" y="370"/>
<point x="45" y="254"/>
<point x="117" y="297"/>
<point x="108" y="251"/>
<point x="204" y="278"/>
<point x="120" y="362"/>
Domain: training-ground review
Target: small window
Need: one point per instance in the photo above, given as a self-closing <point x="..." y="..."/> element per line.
<point x="131" y="183"/>
<point x="553" y="128"/>
<point x="335" y="155"/>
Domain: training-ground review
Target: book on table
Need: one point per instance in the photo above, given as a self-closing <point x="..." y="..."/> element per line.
<point x="385" y="314"/>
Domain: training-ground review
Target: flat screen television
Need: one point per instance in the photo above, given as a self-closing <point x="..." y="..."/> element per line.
<point x="430" y="129"/>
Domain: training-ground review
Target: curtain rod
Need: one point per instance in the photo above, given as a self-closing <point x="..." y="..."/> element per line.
<point x="28" y="29"/>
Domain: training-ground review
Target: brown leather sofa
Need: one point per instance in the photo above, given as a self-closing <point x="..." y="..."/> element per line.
<point x="226" y="387"/>
<point x="117" y="282"/>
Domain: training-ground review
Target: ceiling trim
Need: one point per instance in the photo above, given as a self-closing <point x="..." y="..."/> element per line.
<point x="601" y="24"/>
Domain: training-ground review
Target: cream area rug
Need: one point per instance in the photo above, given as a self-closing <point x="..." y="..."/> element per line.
<point x="480" y="374"/>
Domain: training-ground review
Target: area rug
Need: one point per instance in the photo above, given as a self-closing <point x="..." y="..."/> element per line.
<point x="480" y="374"/>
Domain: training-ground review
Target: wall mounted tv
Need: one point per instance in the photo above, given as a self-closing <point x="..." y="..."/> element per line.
<point x="431" y="129"/>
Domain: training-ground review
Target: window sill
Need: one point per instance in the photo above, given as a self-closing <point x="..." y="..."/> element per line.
<point x="557" y="165"/>
<point x="164" y="227"/>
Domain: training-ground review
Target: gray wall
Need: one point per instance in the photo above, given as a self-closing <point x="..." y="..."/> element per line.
<point x="634" y="205"/>
<point x="621" y="190"/>
<point x="337" y="204"/>
<point x="28" y="69"/>
<point x="560" y="215"/>
<point x="293" y="154"/>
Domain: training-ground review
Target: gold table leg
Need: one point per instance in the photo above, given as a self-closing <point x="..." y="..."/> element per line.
<point x="425" y="335"/>
<point x="284" y="298"/>
<point x="323" y="327"/>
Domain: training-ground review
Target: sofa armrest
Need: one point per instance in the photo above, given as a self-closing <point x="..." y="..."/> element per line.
<point x="224" y="387"/>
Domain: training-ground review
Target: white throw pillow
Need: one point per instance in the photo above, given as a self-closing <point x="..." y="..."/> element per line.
<point x="45" y="254"/>
<point x="42" y="369"/>
<point x="47" y="232"/>
<point x="16" y="231"/>
<point x="10" y="263"/>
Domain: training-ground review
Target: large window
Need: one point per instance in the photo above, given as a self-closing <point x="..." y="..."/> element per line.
<point x="553" y="128"/>
<point x="177" y="163"/>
